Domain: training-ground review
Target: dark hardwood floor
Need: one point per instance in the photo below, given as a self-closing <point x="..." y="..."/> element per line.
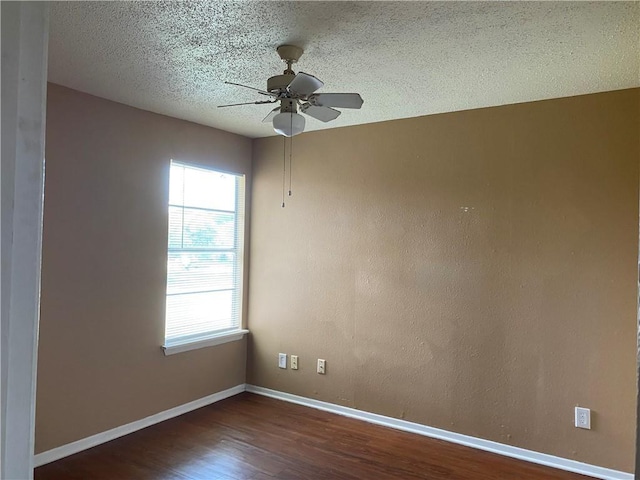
<point x="249" y="437"/>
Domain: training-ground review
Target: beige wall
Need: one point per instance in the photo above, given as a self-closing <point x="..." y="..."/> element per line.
<point x="472" y="271"/>
<point x="104" y="268"/>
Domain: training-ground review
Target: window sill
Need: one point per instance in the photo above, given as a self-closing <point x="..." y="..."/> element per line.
<point x="219" y="339"/>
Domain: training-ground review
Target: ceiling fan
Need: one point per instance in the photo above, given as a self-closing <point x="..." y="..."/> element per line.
<point x="297" y="90"/>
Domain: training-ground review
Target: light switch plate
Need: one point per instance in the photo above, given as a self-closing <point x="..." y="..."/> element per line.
<point x="282" y="360"/>
<point x="583" y="418"/>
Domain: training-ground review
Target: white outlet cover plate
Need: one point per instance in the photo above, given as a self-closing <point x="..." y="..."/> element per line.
<point x="321" y="366"/>
<point x="294" y="362"/>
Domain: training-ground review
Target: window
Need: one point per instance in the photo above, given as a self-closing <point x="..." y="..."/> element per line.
<point x="205" y="253"/>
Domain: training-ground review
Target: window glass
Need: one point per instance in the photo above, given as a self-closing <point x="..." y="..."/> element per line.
<point x="204" y="262"/>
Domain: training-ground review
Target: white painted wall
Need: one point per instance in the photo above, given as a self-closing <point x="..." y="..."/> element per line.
<point x="24" y="82"/>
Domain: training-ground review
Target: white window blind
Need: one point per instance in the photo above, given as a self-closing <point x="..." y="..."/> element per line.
<point x="204" y="265"/>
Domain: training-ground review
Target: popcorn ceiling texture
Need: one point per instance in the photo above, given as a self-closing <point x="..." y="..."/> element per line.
<point x="406" y="59"/>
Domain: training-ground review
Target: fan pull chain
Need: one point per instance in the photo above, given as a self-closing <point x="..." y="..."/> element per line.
<point x="290" y="169"/>
<point x="290" y="150"/>
<point x="284" y="166"/>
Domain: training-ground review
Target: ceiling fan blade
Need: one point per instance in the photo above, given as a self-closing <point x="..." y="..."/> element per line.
<point x="261" y="92"/>
<point x="324" y="114"/>
<point x="340" y="100"/>
<point x="304" y="84"/>
<point x="246" y="103"/>
<point x="271" y="114"/>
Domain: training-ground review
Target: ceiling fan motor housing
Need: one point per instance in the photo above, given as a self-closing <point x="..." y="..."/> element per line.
<point x="279" y="82"/>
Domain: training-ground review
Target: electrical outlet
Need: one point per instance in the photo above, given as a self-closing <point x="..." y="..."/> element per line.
<point x="583" y="418"/>
<point x="282" y="360"/>
<point x="294" y="362"/>
<point x="321" y="366"/>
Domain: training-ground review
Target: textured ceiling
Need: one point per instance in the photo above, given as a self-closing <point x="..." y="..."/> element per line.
<point x="406" y="59"/>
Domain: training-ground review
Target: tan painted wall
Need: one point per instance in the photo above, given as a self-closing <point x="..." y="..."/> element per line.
<point x="104" y="268"/>
<point x="472" y="271"/>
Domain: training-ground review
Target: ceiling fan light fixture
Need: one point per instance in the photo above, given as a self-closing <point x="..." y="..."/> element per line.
<point x="297" y="90"/>
<point x="288" y="124"/>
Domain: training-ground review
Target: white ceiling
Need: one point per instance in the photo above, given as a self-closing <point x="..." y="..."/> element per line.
<point x="406" y="59"/>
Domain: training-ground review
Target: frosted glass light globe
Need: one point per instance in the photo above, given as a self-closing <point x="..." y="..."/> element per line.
<point x="288" y="124"/>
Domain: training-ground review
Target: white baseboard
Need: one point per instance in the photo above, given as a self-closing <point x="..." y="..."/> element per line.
<point x="85" y="443"/>
<point x="479" y="443"/>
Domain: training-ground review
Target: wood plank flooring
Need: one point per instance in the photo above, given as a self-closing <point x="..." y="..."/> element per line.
<point x="249" y="437"/>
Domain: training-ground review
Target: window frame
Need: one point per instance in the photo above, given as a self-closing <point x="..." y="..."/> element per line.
<point x="214" y="337"/>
